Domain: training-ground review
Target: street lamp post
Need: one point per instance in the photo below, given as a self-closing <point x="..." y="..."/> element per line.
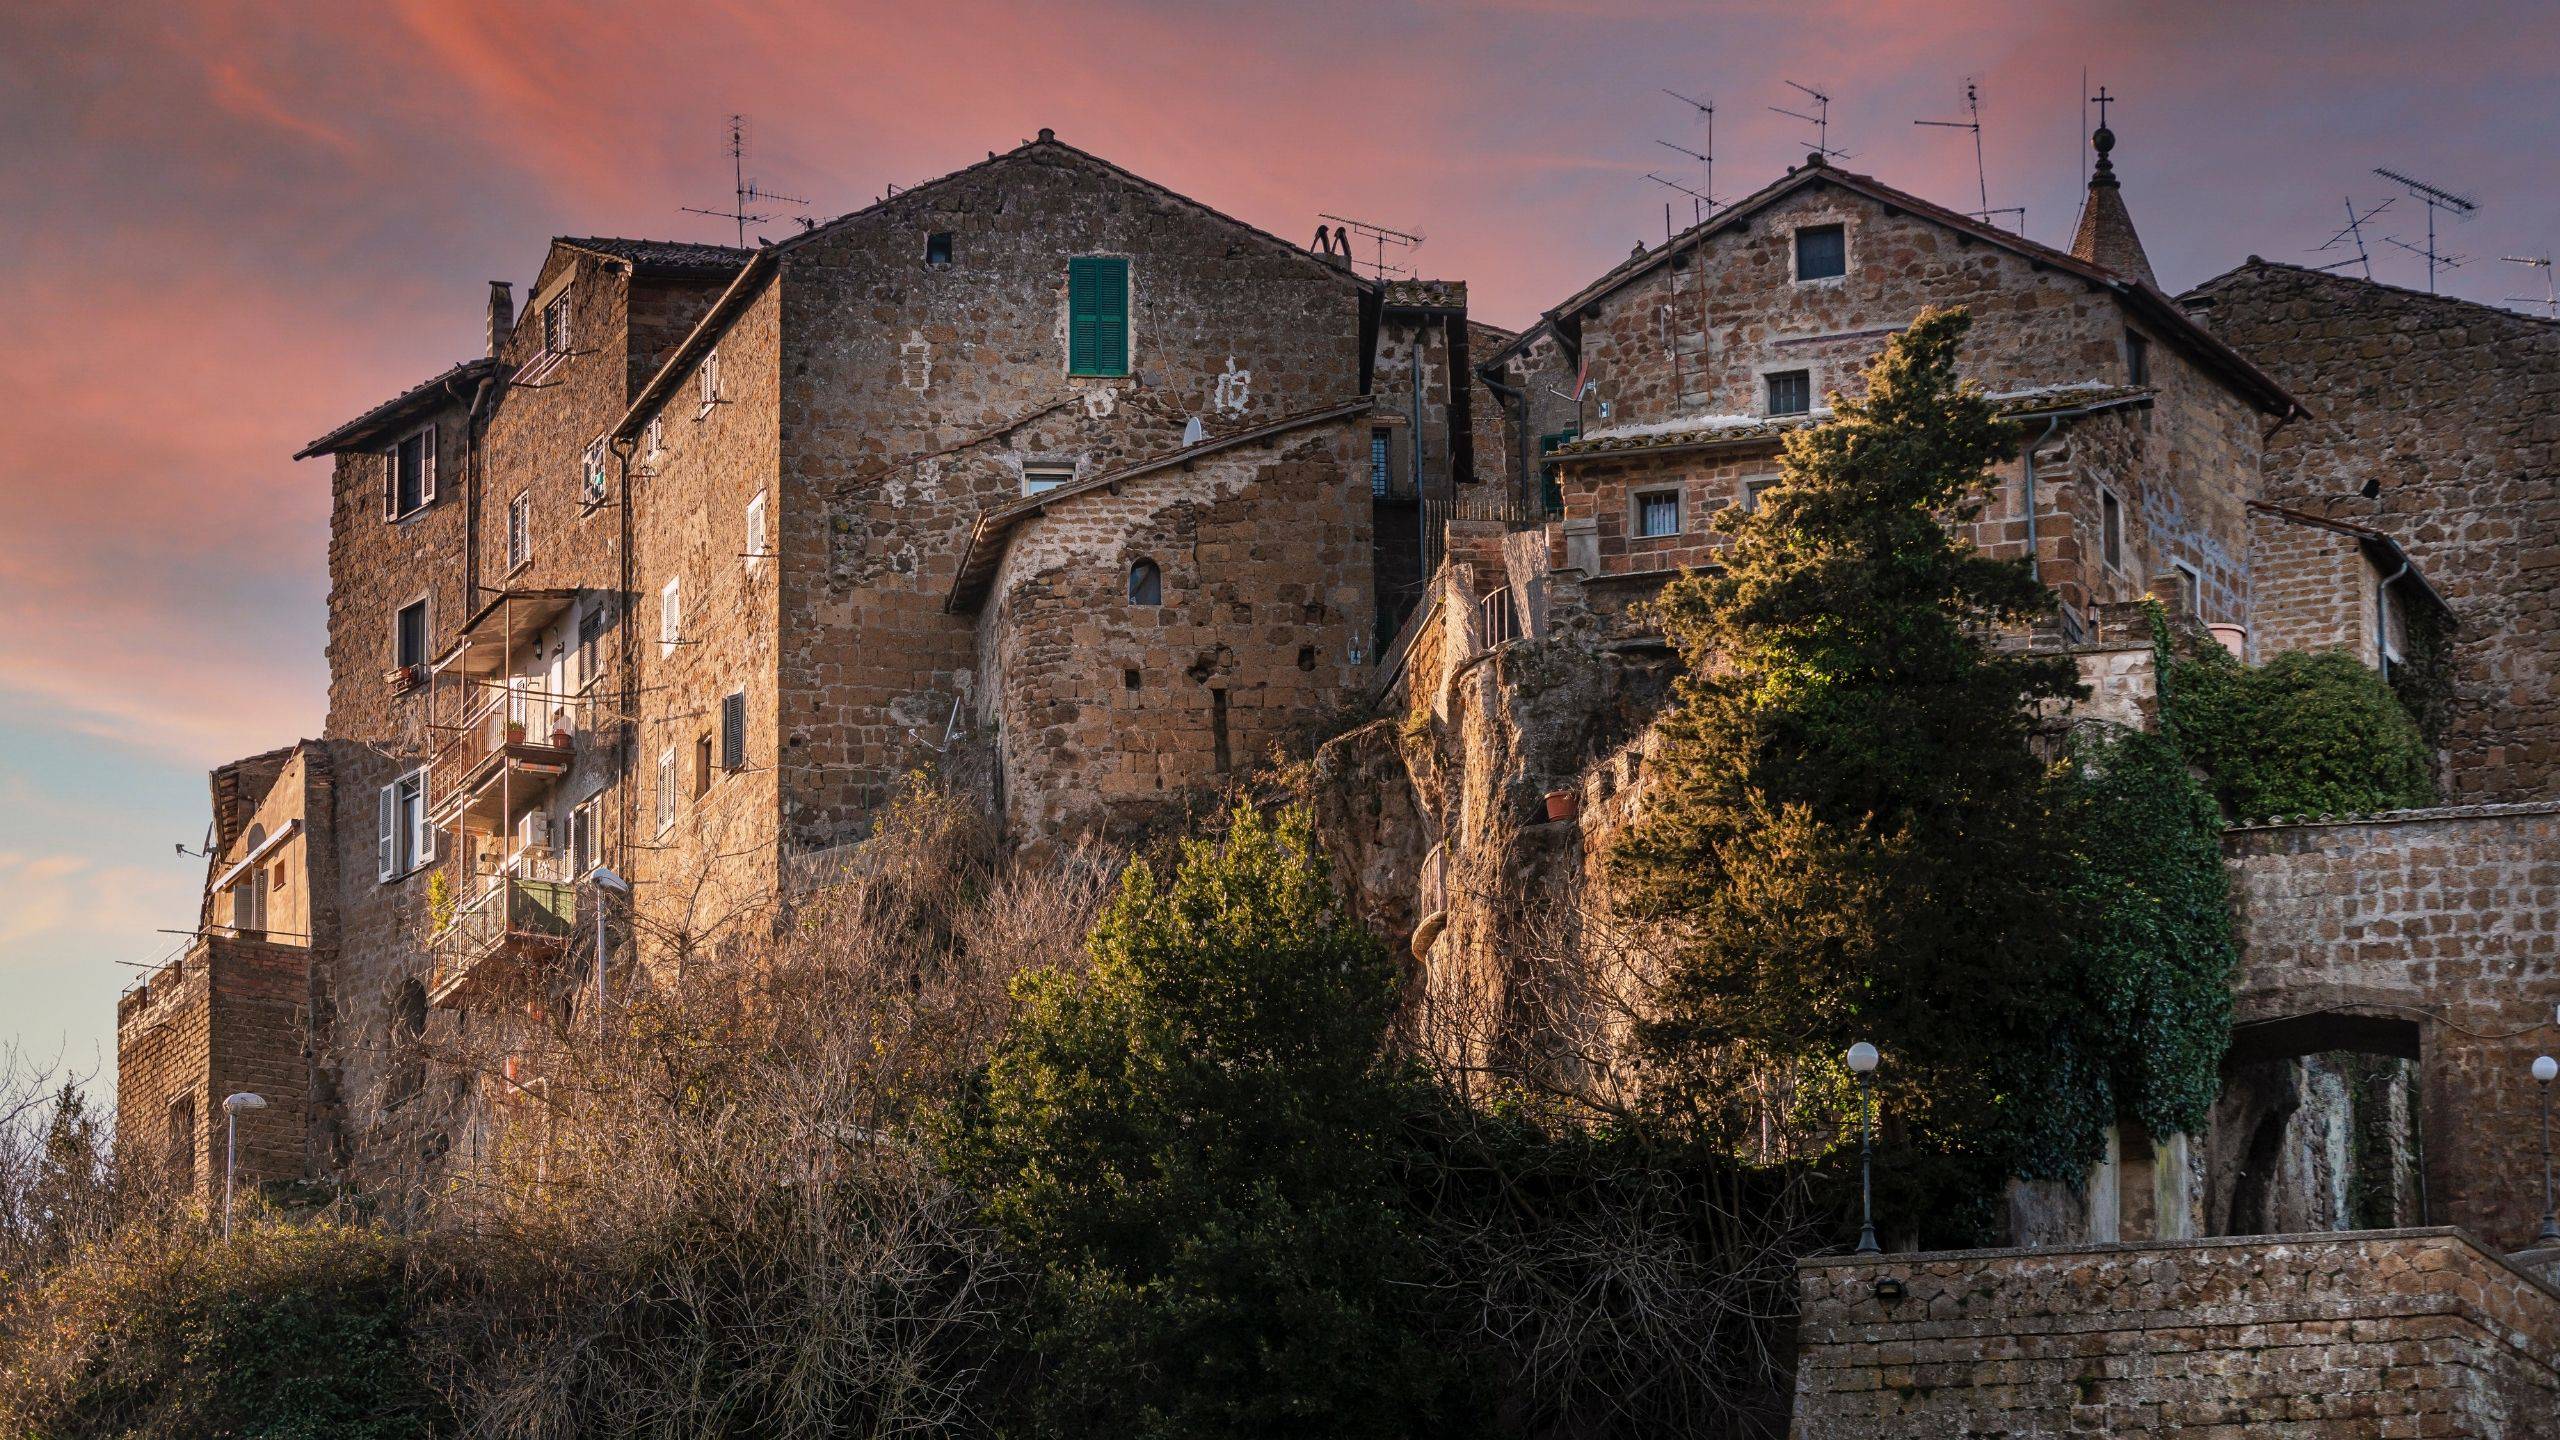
<point x="232" y="1105"/>
<point x="1862" y="1060"/>
<point x="2544" y="1068"/>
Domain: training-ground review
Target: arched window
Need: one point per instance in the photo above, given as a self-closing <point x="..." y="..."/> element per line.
<point x="1146" y="584"/>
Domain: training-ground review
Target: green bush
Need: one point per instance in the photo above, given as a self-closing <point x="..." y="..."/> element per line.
<point x="2308" y="733"/>
<point x="287" y="1332"/>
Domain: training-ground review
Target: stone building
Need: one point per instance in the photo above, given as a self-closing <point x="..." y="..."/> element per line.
<point x="1039" y="475"/>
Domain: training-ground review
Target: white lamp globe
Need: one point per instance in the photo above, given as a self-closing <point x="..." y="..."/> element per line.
<point x="1863" y="1057"/>
<point x="2544" y="1068"/>
<point x="244" y="1100"/>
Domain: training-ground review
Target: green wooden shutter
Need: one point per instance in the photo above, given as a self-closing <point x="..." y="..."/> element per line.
<point x="1097" y="315"/>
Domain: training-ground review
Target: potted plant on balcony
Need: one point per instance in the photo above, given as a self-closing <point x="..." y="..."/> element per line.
<point x="560" y="730"/>
<point x="1563" y="803"/>
<point x="515" y="732"/>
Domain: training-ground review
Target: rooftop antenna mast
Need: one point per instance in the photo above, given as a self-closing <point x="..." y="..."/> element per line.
<point x="1382" y="237"/>
<point x="1706" y="109"/>
<point x="746" y="189"/>
<point x="1820" y="120"/>
<point x="2353" y="234"/>
<point x="2459" y="206"/>
<point x="1981" y="174"/>
<point x="2549" y="299"/>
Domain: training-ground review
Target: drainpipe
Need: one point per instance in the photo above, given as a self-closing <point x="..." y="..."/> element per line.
<point x="471" y="491"/>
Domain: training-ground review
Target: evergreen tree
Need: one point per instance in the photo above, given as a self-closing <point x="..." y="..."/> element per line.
<point x="1850" y="829"/>
<point x="1194" y="1144"/>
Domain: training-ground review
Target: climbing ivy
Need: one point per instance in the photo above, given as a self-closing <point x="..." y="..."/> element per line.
<point x="2151" y="930"/>
<point x="2308" y="733"/>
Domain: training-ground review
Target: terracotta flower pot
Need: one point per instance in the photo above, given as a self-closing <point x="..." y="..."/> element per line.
<point x="1563" y="804"/>
<point x="560" y="739"/>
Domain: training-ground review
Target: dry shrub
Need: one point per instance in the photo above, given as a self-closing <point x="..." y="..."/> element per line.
<point x="713" y="1218"/>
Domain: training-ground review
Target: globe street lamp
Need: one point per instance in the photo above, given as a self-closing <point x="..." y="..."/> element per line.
<point x="2544" y="1068"/>
<point x="1862" y="1060"/>
<point x="232" y="1105"/>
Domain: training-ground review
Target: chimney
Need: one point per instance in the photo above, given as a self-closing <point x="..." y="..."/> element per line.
<point x="502" y="315"/>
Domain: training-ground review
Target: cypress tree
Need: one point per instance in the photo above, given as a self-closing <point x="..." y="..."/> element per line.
<point x="1849" y="834"/>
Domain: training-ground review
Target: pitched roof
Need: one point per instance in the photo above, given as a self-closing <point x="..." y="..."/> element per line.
<point x="662" y="257"/>
<point x="2143" y="298"/>
<point x="2203" y="295"/>
<point x="993" y="532"/>
<point x="2381" y="549"/>
<point x="406" y="405"/>
<point x="762" y="261"/>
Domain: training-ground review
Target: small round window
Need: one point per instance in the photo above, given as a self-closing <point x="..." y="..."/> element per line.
<point x="1146" y="584"/>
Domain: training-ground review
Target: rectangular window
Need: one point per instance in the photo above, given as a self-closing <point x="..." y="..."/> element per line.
<point x="1550" y="477"/>
<point x="555" y="325"/>
<point x="1379" y="479"/>
<point x="402" y="841"/>
<point x="708" y="381"/>
<point x="409" y="636"/>
<point x="593" y="478"/>
<point x="1658" y="514"/>
<point x="755" y="531"/>
<point x="2111" y="529"/>
<point x="657" y="434"/>
<point x="582" y="837"/>
<point x="937" y="248"/>
<point x="701" y="764"/>
<point x="670" y="616"/>
<point x="733" y="730"/>
<point x="1754" y="488"/>
<point x="666" y="789"/>
<point x="1822" y="251"/>
<point x="2137" y="358"/>
<point x="591" y="642"/>
<point x="1790" y="392"/>
<point x="519" y="531"/>
<point x="409" y="474"/>
<point x="1098" y="315"/>
<point x="2190" y="587"/>
<point x="1037" y="480"/>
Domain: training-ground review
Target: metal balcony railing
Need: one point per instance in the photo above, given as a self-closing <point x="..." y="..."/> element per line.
<point x="515" y="918"/>
<point x="513" y="735"/>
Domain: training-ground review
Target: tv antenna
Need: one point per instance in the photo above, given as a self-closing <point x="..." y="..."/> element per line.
<point x="1378" y="235"/>
<point x="1981" y="175"/>
<point x="2549" y="299"/>
<point x="1820" y="120"/>
<point x="2460" y="207"/>
<point x="746" y="190"/>
<point x="1699" y="205"/>
<point x="2353" y="233"/>
<point x="1706" y="111"/>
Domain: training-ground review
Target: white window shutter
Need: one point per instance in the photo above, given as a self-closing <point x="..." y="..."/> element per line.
<point x="386" y="849"/>
<point x="422" y="849"/>
<point x="427" y="466"/>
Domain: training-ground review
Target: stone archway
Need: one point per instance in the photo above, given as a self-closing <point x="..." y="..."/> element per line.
<point x="2319" y="1125"/>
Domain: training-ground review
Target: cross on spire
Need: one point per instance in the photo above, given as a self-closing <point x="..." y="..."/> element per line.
<point x="2104" y="100"/>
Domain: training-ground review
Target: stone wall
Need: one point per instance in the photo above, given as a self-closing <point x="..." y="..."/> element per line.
<point x="2339" y="1337"/>
<point x="229" y="1015"/>
<point x="1108" y="713"/>
<point x="2431" y="932"/>
<point x="2452" y="410"/>
<point x="915" y="396"/>
<point x="2313" y="590"/>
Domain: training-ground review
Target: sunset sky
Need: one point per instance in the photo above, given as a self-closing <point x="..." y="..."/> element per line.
<point x="225" y="228"/>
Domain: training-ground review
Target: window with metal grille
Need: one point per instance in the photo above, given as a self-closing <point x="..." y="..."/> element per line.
<point x="1378" y="452"/>
<point x="519" y="530"/>
<point x="592" y="475"/>
<point x="1658" y="514"/>
<point x="1790" y="392"/>
<point x="1822" y="251"/>
<point x="555" y="325"/>
<point x="1098" y="315"/>
<point x="733" y="730"/>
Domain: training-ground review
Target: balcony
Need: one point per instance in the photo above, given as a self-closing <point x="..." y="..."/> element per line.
<point x="498" y="938"/>
<point x="493" y="764"/>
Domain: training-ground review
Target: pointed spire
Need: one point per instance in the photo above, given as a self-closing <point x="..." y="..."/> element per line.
<point x="2106" y="233"/>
